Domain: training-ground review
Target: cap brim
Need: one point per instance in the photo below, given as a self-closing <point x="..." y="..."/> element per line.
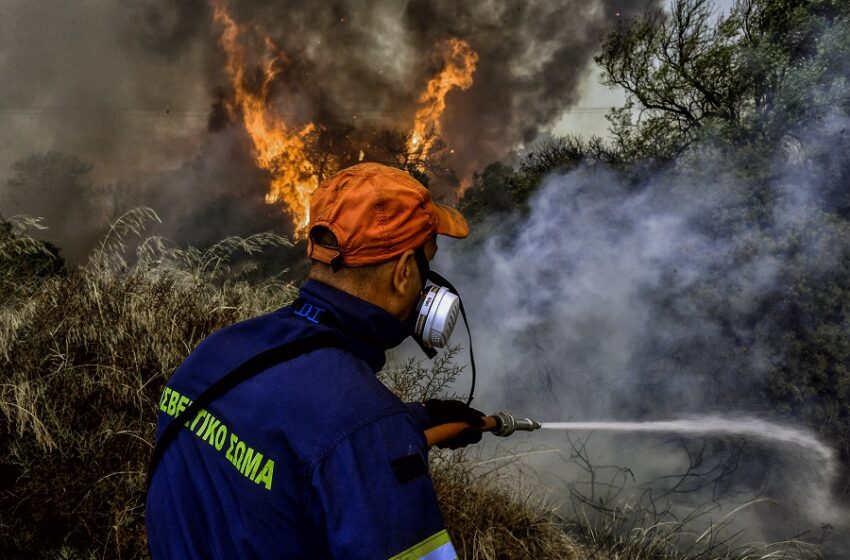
<point x="450" y="222"/>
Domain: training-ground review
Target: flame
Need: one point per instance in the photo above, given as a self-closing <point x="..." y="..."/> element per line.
<point x="282" y="150"/>
<point x="459" y="62"/>
<point x="277" y="148"/>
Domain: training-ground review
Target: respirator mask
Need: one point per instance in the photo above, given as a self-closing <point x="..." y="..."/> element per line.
<point x="436" y="313"/>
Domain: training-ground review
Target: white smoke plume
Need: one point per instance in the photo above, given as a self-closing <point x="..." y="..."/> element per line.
<point x="624" y="299"/>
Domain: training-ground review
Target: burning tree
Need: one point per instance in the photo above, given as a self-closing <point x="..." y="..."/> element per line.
<point x="298" y="158"/>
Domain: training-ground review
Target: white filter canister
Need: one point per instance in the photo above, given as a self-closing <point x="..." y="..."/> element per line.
<point x="442" y="317"/>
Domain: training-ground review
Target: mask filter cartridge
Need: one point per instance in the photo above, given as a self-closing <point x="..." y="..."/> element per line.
<point x="437" y="315"/>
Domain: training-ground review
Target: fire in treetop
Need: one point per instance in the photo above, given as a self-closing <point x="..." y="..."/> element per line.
<point x="282" y="150"/>
<point x="278" y="149"/>
<point x="458" y="66"/>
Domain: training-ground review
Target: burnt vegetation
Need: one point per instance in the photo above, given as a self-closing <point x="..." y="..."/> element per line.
<point x="86" y="350"/>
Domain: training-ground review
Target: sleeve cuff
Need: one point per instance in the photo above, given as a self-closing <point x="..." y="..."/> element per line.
<point x="420" y="415"/>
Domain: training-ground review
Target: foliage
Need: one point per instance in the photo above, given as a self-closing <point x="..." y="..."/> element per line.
<point x="85" y="357"/>
<point x="500" y="189"/>
<point x="756" y="86"/>
<point x="24" y="261"/>
<point x="679" y="69"/>
<point x="753" y="75"/>
<point x="413" y="382"/>
<point x="41" y="185"/>
<point x="491" y="517"/>
<point x="795" y="316"/>
<point x="750" y="106"/>
<point x="490" y="194"/>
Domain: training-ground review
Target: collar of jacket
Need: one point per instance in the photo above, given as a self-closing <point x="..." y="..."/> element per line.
<point x="369" y="329"/>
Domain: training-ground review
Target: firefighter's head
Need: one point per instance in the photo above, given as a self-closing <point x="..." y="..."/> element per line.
<point x="373" y="230"/>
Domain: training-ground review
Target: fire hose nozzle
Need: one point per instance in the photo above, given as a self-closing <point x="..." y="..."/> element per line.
<point x="506" y="424"/>
<point x="501" y="424"/>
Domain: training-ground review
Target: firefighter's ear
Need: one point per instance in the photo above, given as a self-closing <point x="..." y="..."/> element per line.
<point x="405" y="277"/>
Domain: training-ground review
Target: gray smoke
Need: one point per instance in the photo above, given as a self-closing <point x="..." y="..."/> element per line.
<point x="92" y="79"/>
<point x="373" y="60"/>
<point x="91" y="109"/>
<point x="129" y="87"/>
<point x="617" y="299"/>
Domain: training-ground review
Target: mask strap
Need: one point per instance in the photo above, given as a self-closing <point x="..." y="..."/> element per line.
<point x="440" y="281"/>
<point x="424" y="268"/>
<point x="422" y="264"/>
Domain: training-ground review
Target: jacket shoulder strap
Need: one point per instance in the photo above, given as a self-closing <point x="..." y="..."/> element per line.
<point x="245" y="371"/>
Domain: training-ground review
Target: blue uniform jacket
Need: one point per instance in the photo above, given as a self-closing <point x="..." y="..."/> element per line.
<point x="313" y="458"/>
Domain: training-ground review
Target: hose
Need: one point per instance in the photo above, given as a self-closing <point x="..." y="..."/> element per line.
<point x="501" y="424"/>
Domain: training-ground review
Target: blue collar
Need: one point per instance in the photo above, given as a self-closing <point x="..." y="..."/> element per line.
<point x="369" y="329"/>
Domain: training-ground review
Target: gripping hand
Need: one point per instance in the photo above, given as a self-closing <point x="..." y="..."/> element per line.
<point x="446" y="411"/>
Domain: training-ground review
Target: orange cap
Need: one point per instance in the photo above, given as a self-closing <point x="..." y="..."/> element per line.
<point x="377" y="213"/>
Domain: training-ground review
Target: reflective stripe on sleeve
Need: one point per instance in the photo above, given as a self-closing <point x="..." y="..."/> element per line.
<point x="436" y="547"/>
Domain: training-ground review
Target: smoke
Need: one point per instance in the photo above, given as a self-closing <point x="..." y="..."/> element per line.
<point x="373" y="60"/>
<point x="131" y="87"/>
<point x="664" y="297"/>
<point x="79" y="86"/>
<point x="81" y="78"/>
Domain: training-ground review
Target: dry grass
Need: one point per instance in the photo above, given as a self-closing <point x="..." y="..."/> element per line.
<point x="490" y="518"/>
<point x="84" y="356"/>
<point x="83" y="360"/>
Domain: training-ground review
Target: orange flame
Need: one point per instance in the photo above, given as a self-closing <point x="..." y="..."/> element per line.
<point x="282" y="151"/>
<point x="278" y="149"/>
<point x="459" y="62"/>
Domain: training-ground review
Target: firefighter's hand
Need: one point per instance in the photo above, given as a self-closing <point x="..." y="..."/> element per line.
<point x="446" y="411"/>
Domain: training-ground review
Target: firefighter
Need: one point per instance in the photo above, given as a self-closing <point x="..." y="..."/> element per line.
<point x="294" y="449"/>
